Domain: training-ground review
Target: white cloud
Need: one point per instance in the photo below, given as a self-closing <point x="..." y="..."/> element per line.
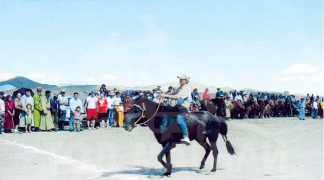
<point x="5" y="76"/>
<point x="288" y="78"/>
<point x="109" y="77"/>
<point x="316" y="78"/>
<point x="300" y="68"/>
<point x="37" y="75"/>
<point x="89" y="79"/>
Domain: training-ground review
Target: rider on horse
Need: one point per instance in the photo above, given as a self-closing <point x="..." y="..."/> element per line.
<point x="183" y="96"/>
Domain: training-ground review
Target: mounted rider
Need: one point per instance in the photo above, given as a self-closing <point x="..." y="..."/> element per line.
<point x="183" y="97"/>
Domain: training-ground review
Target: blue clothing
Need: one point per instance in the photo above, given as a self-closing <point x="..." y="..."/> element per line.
<point x="62" y="116"/>
<point x="71" y="121"/>
<point x="181" y="120"/>
<point x="314" y="113"/>
<point x="111" y="115"/>
<point x="301" y="106"/>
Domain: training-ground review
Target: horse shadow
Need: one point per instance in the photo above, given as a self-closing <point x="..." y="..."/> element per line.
<point x="153" y="172"/>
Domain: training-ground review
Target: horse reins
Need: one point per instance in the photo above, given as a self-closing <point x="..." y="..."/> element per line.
<point x="143" y="109"/>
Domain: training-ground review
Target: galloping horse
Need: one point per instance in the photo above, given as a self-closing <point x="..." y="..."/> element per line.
<point x="168" y="133"/>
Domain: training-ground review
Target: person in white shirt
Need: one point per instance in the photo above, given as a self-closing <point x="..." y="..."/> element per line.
<point x="25" y="99"/>
<point x="314" y="108"/>
<point x="74" y="103"/>
<point x="92" y="110"/>
<point x="111" y="108"/>
<point x="63" y="102"/>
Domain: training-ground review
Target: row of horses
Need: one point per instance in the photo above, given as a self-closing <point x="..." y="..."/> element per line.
<point x="251" y="108"/>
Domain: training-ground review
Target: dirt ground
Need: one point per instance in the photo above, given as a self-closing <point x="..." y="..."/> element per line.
<point x="283" y="148"/>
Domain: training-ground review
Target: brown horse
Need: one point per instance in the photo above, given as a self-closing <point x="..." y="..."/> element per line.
<point x="167" y="131"/>
<point x="209" y="106"/>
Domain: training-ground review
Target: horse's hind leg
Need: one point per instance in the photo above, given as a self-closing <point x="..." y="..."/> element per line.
<point x="215" y="154"/>
<point x="206" y="146"/>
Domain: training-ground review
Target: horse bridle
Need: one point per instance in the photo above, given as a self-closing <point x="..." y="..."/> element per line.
<point x="143" y="109"/>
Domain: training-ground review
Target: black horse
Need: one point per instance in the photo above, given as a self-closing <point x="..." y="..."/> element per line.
<point x="162" y="122"/>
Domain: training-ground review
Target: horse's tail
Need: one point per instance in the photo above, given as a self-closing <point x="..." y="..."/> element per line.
<point x="223" y="131"/>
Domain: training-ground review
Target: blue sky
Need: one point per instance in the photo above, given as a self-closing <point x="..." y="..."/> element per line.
<point x="261" y="44"/>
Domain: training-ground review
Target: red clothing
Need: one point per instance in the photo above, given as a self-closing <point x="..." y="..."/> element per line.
<point x="8" y="123"/>
<point x="102" y="105"/>
<point x="92" y="114"/>
<point x="206" y="96"/>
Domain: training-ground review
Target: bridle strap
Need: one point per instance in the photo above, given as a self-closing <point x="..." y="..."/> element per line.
<point x="143" y="109"/>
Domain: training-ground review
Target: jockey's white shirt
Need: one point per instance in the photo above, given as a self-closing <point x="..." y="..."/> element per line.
<point x="184" y="92"/>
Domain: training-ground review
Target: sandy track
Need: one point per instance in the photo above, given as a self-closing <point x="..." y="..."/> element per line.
<point x="266" y="149"/>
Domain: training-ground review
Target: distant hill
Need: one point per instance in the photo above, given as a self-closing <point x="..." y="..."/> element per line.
<point x="27" y="83"/>
<point x="85" y="89"/>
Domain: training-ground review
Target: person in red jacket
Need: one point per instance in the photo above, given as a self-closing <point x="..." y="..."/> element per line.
<point x="102" y="105"/>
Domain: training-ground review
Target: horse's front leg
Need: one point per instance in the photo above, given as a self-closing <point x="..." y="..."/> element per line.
<point x="165" y="150"/>
<point x="168" y="164"/>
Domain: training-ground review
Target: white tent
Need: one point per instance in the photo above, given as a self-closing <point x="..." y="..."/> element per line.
<point x="7" y="87"/>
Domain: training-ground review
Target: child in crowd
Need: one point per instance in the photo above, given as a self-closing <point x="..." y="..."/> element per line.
<point x="120" y="111"/>
<point x="77" y="119"/>
<point x="29" y="118"/>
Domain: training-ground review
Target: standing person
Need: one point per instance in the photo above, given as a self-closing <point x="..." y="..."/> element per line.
<point x="37" y="108"/>
<point x="26" y="99"/>
<point x="120" y="113"/>
<point x="77" y="119"/>
<point x="206" y="95"/>
<point x="111" y="108"/>
<point x="74" y="103"/>
<point x="128" y="103"/>
<point x="228" y="104"/>
<point x="117" y="101"/>
<point x="54" y="110"/>
<point x="9" y="114"/>
<point x="302" y="106"/>
<point x="46" y="122"/>
<point x="182" y="95"/>
<point x="2" y="111"/>
<point x="29" y="118"/>
<point x="63" y="102"/>
<point x="18" y="119"/>
<point x="314" y="108"/>
<point x="91" y="106"/>
<point x="102" y="104"/>
<point x="321" y="108"/>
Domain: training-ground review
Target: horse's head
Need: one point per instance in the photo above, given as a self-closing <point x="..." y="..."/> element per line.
<point x="142" y="110"/>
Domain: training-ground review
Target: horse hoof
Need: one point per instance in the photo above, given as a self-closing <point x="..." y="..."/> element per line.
<point x="167" y="174"/>
<point x="202" y="167"/>
<point x="213" y="170"/>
